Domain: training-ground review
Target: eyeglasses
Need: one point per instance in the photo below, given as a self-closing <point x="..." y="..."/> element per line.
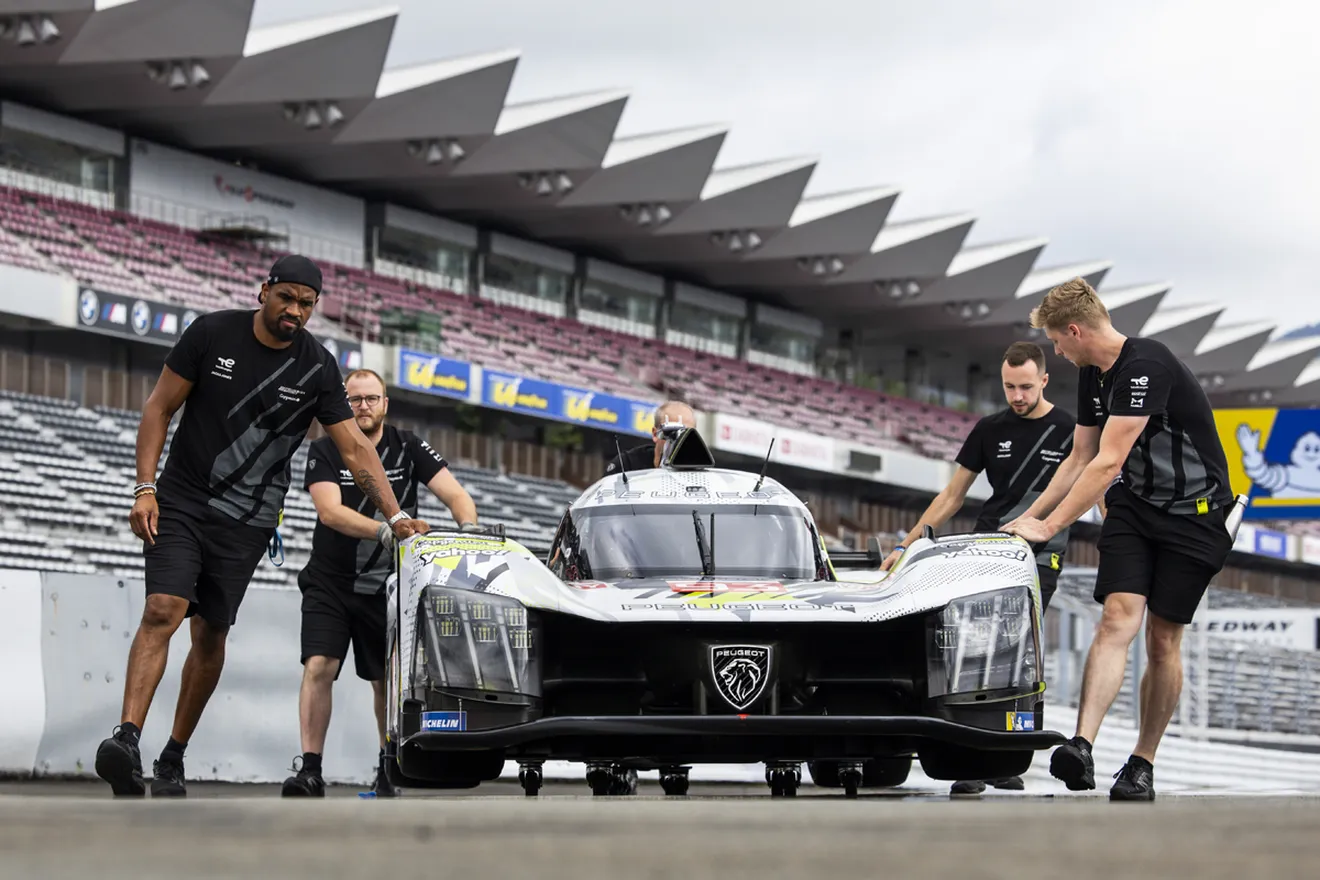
<point x="369" y="400"/>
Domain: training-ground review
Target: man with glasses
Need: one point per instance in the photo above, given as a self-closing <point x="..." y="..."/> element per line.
<point x="343" y="584"/>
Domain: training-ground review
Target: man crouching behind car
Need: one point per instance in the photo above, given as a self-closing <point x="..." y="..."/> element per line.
<point x="672" y="413"/>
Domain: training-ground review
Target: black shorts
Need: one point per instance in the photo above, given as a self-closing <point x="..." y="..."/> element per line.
<point x="205" y="557"/>
<point x="1170" y="559"/>
<point x="333" y="616"/>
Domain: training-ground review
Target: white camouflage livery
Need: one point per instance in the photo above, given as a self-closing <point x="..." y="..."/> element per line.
<point x="929" y="576"/>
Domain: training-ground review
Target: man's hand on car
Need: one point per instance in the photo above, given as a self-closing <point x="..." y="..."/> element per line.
<point x="892" y="559"/>
<point x="406" y="528"/>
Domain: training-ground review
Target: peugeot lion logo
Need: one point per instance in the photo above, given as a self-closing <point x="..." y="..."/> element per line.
<point x="740" y="672"/>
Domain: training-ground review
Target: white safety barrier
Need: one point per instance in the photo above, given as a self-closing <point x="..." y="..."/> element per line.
<point x="64" y="642"/>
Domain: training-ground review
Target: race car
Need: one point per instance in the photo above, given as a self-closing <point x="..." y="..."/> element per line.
<point x="692" y="614"/>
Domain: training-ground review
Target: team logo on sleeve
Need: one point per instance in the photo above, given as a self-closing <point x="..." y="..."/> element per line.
<point x="1138" y="391"/>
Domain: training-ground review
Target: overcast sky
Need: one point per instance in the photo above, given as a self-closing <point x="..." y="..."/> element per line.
<point x="1177" y="139"/>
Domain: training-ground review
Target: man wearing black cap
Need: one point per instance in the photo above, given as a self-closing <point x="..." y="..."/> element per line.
<point x="253" y="382"/>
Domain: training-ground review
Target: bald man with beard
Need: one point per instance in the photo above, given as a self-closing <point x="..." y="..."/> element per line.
<point x="647" y="455"/>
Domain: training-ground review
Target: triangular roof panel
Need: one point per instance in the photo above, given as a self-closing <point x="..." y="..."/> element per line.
<point x="332" y="57"/>
<point x="651" y="171"/>
<point x="835" y="225"/>
<point x="1183" y="327"/>
<point x="527" y="114"/>
<point x="555" y="135"/>
<point x="144" y="30"/>
<point x="456" y="97"/>
<point x="1277" y="365"/>
<point x="723" y="181"/>
<point x="1132" y="306"/>
<point x="985" y="273"/>
<point x="760" y="196"/>
<point x="633" y="148"/>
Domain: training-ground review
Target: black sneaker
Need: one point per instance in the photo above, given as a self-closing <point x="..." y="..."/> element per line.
<point x="382" y="786"/>
<point x="1073" y="765"/>
<point x="307" y="783"/>
<point x="119" y="762"/>
<point x="167" y="778"/>
<point x="967" y="786"/>
<point x="1009" y="783"/>
<point x="1136" y="782"/>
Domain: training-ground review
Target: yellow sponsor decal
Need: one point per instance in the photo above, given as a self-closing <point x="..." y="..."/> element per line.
<point x="578" y="408"/>
<point x="643" y="420"/>
<point x="507" y="394"/>
<point x="719" y="600"/>
<point x="421" y="374"/>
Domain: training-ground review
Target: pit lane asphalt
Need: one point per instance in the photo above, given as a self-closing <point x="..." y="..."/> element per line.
<point x="71" y="829"/>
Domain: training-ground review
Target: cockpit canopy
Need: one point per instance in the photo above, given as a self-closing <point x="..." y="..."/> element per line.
<point x="724" y="541"/>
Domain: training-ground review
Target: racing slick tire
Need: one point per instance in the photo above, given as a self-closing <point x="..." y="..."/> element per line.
<point x="876" y="772"/>
<point x="422" y="769"/>
<point x="945" y="761"/>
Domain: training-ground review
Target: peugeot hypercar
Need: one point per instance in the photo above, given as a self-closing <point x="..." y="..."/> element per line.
<point x="691" y="614"/>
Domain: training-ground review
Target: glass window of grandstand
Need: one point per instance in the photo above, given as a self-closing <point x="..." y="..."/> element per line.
<point x="53" y="167"/>
<point x="776" y="347"/>
<point x="618" y="308"/>
<point x="525" y="285"/>
<point x="704" y="329"/>
<point x="420" y="258"/>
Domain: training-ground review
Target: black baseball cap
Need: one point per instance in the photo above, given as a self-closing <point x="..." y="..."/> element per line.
<point x="295" y="269"/>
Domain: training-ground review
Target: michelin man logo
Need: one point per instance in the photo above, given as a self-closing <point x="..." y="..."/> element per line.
<point x="1298" y="479"/>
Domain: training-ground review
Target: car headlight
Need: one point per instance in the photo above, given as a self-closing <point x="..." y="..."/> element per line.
<point x="984" y="642"/>
<point x="479" y="642"/>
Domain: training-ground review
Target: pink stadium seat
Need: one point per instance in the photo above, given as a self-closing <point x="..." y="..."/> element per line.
<point x="119" y="252"/>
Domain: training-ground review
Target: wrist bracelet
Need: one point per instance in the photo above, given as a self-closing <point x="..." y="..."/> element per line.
<point x="143" y="489"/>
<point x="402" y="514"/>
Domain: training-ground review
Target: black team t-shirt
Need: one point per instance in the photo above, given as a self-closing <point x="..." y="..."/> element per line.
<point x="1177" y="463"/>
<point x="353" y="564"/>
<point x="248" y="412"/>
<point x="1019" y="456"/>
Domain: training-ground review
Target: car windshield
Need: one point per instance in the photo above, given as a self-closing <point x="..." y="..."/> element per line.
<point x="760" y="541"/>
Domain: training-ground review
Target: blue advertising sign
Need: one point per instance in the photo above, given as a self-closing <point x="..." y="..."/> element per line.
<point x="1273" y="544"/>
<point x="536" y="397"/>
<point x="432" y="374"/>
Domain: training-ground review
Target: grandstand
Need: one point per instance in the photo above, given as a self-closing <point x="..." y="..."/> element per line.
<point x="530" y="238"/>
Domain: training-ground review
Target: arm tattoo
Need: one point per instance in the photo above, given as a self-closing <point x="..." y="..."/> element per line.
<point x="367" y="483"/>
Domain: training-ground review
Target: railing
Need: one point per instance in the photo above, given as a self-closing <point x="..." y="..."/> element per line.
<point x="274" y="235"/>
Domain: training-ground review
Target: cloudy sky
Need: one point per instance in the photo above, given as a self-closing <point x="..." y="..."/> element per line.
<point x="1178" y="139"/>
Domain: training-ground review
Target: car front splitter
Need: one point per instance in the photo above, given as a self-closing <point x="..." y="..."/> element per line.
<point x="657" y="727"/>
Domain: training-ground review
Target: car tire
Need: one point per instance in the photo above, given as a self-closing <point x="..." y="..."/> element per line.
<point x="956" y="763"/>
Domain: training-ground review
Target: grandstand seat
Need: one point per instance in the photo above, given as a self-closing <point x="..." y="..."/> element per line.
<point x="120" y="252"/>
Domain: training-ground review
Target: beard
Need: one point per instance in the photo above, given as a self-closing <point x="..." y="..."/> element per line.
<point x="281" y="329"/>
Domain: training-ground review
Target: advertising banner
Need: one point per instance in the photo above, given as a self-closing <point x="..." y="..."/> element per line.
<point x="163" y="323"/>
<point x="751" y="437"/>
<point x="347" y="352"/>
<point x="1310" y="553"/>
<point x="432" y="374"/>
<point x="131" y="317"/>
<point x="537" y="397"/>
<point x="1279" y="627"/>
<point x="1274" y="459"/>
<point x="1272" y="544"/>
